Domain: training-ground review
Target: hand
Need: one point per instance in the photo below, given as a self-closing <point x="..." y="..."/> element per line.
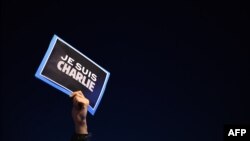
<point x="79" y="112"/>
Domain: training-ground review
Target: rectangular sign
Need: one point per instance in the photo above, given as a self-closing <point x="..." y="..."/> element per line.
<point x="68" y="70"/>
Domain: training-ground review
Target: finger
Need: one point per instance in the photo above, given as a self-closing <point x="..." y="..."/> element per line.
<point x="80" y="101"/>
<point x="80" y="93"/>
<point x="74" y="98"/>
<point x="80" y="105"/>
<point x="78" y="97"/>
<point x="72" y="95"/>
<point x="74" y="101"/>
<point x="76" y="93"/>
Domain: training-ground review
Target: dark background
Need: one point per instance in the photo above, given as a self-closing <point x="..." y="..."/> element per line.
<point x="178" y="72"/>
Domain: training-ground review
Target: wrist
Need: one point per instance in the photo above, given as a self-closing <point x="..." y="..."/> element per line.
<point x="81" y="128"/>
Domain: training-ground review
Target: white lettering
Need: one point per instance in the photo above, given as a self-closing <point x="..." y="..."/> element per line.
<point x="66" y="68"/>
<point x="243" y="131"/>
<point x="70" y="61"/>
<point x="78" y="66"/>
<point x="59" y="65"/>
<point x="79" y="77"/>
<point x="93" y="77"/>
<point x="73" y="73"/>
<point x="237" y="131"/>
<point x="231" y="132"/>
<point x="64" y="59"/>
<point x="78" y="72"/>
<point x="91" y="86"/>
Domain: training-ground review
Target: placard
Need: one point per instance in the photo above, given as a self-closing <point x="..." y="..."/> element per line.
<point x="68" y="70"/>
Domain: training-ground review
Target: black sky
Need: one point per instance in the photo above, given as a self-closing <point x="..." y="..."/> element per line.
<point x="178" y="72"/>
